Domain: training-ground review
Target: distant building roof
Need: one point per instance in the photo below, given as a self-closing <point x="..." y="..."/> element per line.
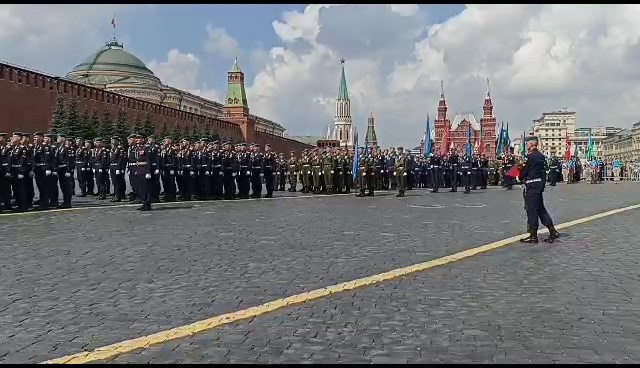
<point x="308" y="139"/>
<point x="459" y="118"/>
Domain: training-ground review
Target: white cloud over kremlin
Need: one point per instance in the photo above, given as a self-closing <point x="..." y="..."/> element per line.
<point x="539" y="57"/>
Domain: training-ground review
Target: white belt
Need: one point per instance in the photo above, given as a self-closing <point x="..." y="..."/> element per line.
<point x="533" y="181"/>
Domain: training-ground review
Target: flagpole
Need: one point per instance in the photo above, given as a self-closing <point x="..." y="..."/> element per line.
<point x="113" y="23"/>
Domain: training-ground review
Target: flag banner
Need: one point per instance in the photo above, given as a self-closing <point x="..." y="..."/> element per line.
<point x="427" y="139"/>
<point x="514" y="171"/>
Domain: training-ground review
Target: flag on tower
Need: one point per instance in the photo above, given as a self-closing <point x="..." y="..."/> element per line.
<point x="113" y="21"/>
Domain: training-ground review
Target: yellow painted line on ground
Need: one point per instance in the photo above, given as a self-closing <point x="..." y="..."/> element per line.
<point x="110" y="351"/>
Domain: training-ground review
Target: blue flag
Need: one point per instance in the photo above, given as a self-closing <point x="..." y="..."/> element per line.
<point x="354" y="168"/>
<point x="499" y="142"/>
<point x="469" y="141"/>
<point x="426" y="148"/>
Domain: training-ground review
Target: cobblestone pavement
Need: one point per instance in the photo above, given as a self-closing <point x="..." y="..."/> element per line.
<point x="74" y="281"/>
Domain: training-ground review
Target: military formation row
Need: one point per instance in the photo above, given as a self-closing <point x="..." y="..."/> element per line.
<point x="209" y="170"/>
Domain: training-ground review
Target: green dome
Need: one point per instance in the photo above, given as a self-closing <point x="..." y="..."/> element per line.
<point x="113" y="58"/>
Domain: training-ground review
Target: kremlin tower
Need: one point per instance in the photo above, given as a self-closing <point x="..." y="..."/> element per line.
<point x="342" y="129"/>
<point x="371" y="138"/>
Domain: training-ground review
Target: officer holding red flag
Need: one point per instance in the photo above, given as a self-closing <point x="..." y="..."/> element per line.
<point x="533" y="178"/>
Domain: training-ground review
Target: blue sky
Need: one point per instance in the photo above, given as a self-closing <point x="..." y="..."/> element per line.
<point x="538" y="57"/>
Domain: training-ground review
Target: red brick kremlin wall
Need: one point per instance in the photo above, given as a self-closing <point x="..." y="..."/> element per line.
<point x="27" y="99"/>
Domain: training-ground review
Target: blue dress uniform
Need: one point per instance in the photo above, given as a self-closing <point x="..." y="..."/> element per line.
<point x="533" y="177"/>
<point x="553" y="171"/>
<point x="100" y="160"/>
<point x="244" y="174"/>
<point x="42" y="157"/>
<point x="168" y="168"/>
<point x="436" y="172"/>
<point x="454" y="166"/>
<point x="465" y="173"/>
<point x="117" y="167"/>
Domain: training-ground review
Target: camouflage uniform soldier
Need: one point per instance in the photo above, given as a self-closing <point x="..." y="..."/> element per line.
<point x="400" y="173"/>
<point x="305" y="163"/>
<point x="363" y="172"/>
<point x="293" y="172"/>
<point x="341" y="166"/>
<point x="348" y="183"/>
<point x="328" y="169"/>
<point x="316" y="170"/>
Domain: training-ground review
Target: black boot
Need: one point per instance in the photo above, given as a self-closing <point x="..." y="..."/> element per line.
<point x="553" y="235"/>
<point x="533" y="236"/>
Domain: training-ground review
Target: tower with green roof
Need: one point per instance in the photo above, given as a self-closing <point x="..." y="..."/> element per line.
<point x="371" y="137"/>
<point x="235" y="102"/>
<point x="343" y="129"/>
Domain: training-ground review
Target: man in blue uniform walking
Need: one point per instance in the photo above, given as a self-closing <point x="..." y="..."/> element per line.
<point x="533" y="178"/>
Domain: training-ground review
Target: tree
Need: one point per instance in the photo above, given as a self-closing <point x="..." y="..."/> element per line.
<point x="195" y="133"/>
<point x="73" y="119"/>
<point x="177" y="133"/>
<point x="94" y="125"/>
<point x="58" y="120"/>
<point x="105" y="131"/>
<point x="122" y="128"/>
<point x="149" y="127"/>
<point x="83" y="124"/>
<point x="137" y="125"/>
<point x="165" y="131"/>
<point x="206" y="132"/>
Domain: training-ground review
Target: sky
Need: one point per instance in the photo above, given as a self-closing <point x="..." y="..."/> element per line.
<point x="538" y="57"/>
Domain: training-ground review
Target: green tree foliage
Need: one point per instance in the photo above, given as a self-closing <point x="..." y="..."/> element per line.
<point x="177" y="133"/>
<point x="105" y="130"/>
<point x="148" y="128"/>
<point x="164" y="131"/>
<point x="83" y="124"/>
<point x="122" y="128"/>
<point x="137" y="125"/>
<point x="58" y="119"/>
<point x="195" y="133"/>
<point x="73" y="119"/>
<point x="94" y="125"/>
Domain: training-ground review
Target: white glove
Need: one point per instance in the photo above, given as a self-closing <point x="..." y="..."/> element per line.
<point x="171" y="172"/>
<point x="47" y="172"/>
<point x="405" y="174"/>
<point x="156" y="172"/>
<point x="191" y="173"/>
<point x="94" y="171"/>
<point x="261" y="175"/>
<point x="233" y="174"/>
<point x="320" y="172"/>
<point x="100" y="170"/>
<point x="381" y="171"/>
<point x="148" y="176"/>
<point x="31" y="174"/>
<point x="7" y="175"/>
<point x="248" y="172"/>
<point x="207" y="173"/>
<point x="308" y="172"/>
<point x="332" y="171"/>
<point x="54" y="173"/>
<point x="364" y="174"/>
<point x="20" y="176"/>
<point x="68" y="175"/>
<point x="82" y="169"/>
<point x="221" y="173"/>
<point x="117" y="172"/>
<point x="468" y="172"/>
<point x="394" y="173"/>
<point x="523" y="187"/>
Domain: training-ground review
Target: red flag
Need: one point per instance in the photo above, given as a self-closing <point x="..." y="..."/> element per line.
<point x="113" y="21"/>
<point x="567" y="152"/>
<point x="513" y="172"/>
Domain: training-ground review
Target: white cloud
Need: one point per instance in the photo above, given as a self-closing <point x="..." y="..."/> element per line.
<point x="539" y="57"/>
<point x="182" y="71"/>
<point x="54" y="37"/>
<point x="220" y="43"/>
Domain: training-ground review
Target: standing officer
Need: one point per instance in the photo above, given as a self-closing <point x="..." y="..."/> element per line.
<point x="131" y="162"/>
<point x="400" y="172"/>
<point x="100" y="158"/>
<point x="143" y="175"/>
<point x="293" y="171"/>
<point x="436" y="172"/>
<point x="363" y="168"/>
<point x="282" y="172"/>
<point x="454" y="165"/>
<point x="5" y="174"/>
<point x="348" y="182"/>
<point x="230" y="169"/>
<point x="305" y="171"/>
<point x="316" y="170"/>
<point x="88" y="168"/>
<point x="82" y="155"/>
<point x="553" y="171"/>
<point x="217" y="172"/>
<point x="268" y="162"/>
<point x="484" y="171"/>
<point x="243" y="178"/>
<point x="328" y="169"/>
<point x="391" y="169"/>
<point x="533" y="177"/>
<point x="465" y="169"/>
<point x="168" y="169"/>
<point x="117" y="165"/>
<point x="42" y="162"/>
<point x="20" y="164"/>
<point x="257" y="171"/>
<point x="187" y="169"/>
